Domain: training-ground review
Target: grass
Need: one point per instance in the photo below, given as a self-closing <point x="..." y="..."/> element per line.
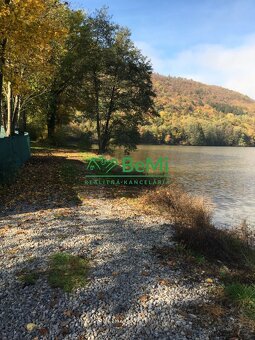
<point x="244" y="296"/>
<point x="67" y="272"/>
<point x="29" y="278"/>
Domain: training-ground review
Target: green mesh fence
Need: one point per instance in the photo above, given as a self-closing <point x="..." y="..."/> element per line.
<point x="14" y="151"/>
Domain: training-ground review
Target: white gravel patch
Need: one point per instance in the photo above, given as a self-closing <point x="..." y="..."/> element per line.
<point x="123" y="299"/>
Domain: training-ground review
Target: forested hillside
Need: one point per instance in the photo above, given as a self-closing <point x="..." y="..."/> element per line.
<point x="71" y="78"/>
<point x="193" y="113"/>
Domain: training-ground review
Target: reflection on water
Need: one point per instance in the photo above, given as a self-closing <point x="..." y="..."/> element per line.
<point x="225" y="174"/>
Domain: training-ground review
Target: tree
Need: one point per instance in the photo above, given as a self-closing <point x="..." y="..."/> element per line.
<point x="196" y="134"/>
<point x="117" y="86"/>
<point x="29" y="30"/>
<point x="69" y="68"/>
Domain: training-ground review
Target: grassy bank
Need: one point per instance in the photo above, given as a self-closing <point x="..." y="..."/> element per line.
<point x="229" y="252"/>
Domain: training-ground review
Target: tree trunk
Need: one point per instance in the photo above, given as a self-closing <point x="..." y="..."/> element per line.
<point x="52" y="115"/>
<point x="2" y="63"/>
<point x="15" y="113"/>
<point x="9" y="109"/>
<point x="1" y="91"/>
<point x="98" y="120"/>
<point x="22" y="120"/>
<point x="104" y="144"/>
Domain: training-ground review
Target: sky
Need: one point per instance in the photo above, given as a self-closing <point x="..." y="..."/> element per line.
<point x="212" y="41"/>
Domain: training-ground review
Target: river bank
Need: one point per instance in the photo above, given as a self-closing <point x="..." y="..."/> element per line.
<point x="134" y="290"/>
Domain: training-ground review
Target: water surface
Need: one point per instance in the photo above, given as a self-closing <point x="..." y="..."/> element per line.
<point x="224" y="174"/>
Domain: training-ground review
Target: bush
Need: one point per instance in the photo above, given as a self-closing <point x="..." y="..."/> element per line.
<point x="70" y="135"/>
<point x="192" y="217"/>
<point x="183" y="208"/>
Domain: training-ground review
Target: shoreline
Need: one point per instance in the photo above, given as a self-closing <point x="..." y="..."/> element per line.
<point x="140" y="283"/>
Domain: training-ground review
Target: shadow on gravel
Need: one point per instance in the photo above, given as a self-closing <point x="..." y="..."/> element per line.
<point x="50" y="181"/>
<point x="127" y="280"/>
<point x="40" y="184"/>
<point x="124" y="275"/>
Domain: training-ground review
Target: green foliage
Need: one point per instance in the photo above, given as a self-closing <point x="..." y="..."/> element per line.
<point x="117" y="86"/>
<point x="67" y="271"/>
<point x="125" y="134"/>
<point x="226" y="108"/>
<point x="70" y="135"/>
<point x="29" y="278"/>
<point x="195" y="134"/>
<point x="244" y="296"/>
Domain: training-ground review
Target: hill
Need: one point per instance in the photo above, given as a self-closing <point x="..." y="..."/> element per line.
<point x="193" y="113"/>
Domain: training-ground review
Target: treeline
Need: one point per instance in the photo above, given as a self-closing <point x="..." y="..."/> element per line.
<point x="195" y="132"/>
<point x="66" y="77"/>
<point x="192" y="113"/>
<point x="64" y="74"/>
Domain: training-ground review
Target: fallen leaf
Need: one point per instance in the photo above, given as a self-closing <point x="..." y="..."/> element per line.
<point x="31" y="326"/>
<point x="171" y="263"/>
<point x="65" y="330"/>
<point x="118" y="324"/>
<point x="145" y="273"/>
<point x="43" y="331"/>
<point x="144" y="298"/>
<point x="68" y="313"/>
<point x="209" y="280"/>
<point x="119" y="317"/>
<point x="164" y="282"/>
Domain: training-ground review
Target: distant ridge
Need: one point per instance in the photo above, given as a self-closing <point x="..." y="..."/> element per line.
<point x="193" y="113"/>
<point x="194" y="90"/>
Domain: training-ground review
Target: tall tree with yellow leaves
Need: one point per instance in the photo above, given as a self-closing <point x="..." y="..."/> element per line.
<point x="29" y="31"/>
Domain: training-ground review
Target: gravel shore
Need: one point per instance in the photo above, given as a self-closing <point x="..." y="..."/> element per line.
<point x="131" y="294"/>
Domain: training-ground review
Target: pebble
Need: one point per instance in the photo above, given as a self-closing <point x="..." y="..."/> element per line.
<point x="120" y="244"/>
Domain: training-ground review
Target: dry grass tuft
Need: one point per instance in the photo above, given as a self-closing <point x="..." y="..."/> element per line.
<point x="192" y="217"/>
<point x="183" y="208"/>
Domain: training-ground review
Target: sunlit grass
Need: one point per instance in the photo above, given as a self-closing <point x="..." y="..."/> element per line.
<point x="244" y="296"/>
<point x="67" y="272"/>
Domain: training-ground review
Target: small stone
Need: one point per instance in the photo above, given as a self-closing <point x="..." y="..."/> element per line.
<point x="68" y="313"/>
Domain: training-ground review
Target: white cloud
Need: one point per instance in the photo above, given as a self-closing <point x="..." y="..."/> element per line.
<point x="233" y="67"/>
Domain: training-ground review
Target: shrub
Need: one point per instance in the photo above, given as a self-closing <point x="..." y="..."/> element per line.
<point x="70" y="135"/>
<point x="192" y="217"/>
<point x="183" y="208"/>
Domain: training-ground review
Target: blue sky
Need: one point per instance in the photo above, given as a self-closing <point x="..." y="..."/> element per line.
<point x="212" y="41"/>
